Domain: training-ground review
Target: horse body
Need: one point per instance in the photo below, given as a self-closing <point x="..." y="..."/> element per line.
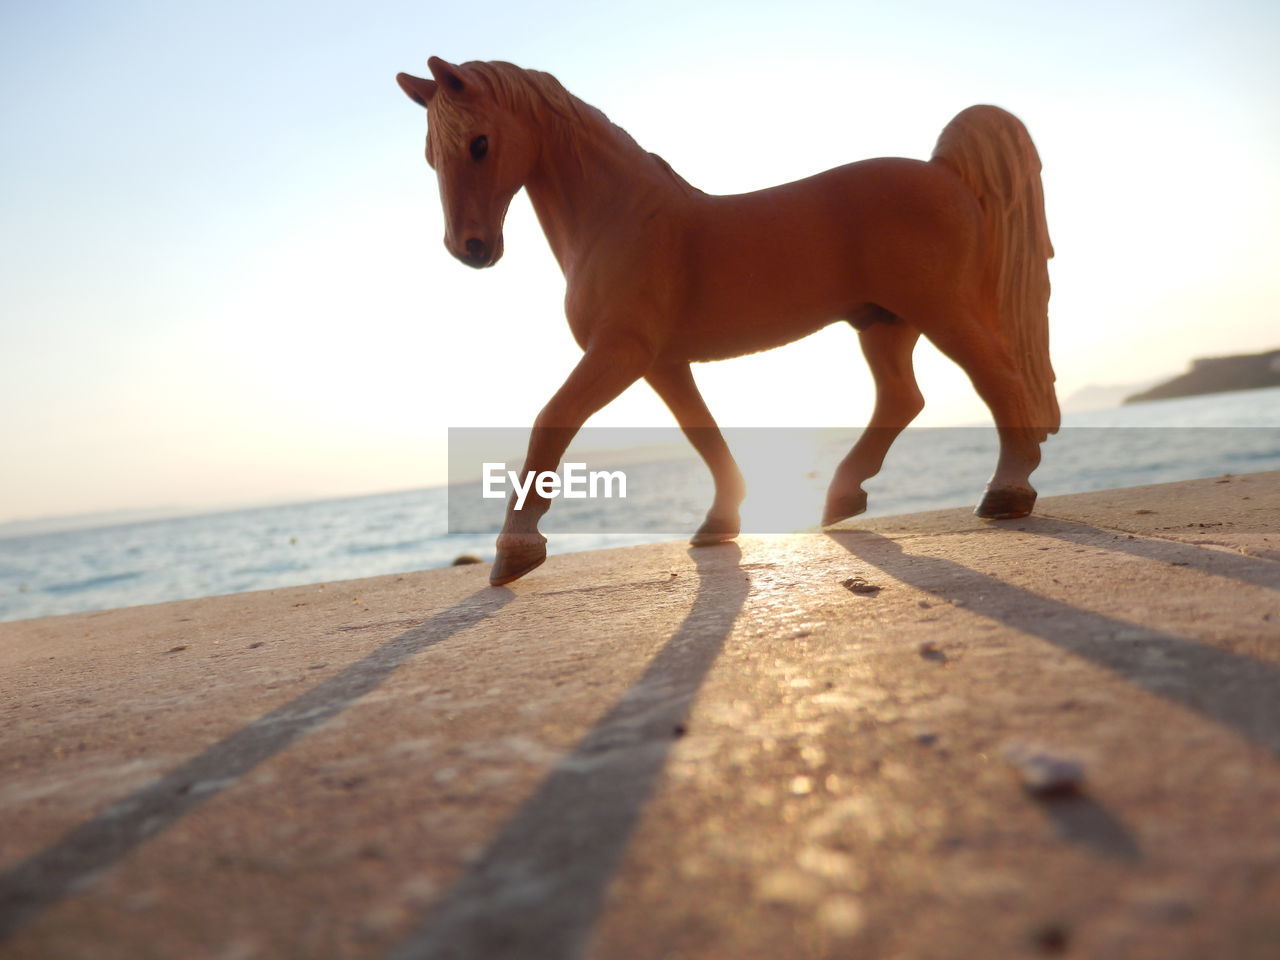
<point x="771" y="266"/>
<point x="660" y="275"/>
<point x="708" y="277"/>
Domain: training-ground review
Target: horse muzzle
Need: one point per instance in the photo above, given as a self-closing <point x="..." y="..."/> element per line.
<point x="477" y="252"/>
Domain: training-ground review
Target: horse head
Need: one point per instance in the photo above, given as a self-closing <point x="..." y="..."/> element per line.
<point x="482" y="154"/>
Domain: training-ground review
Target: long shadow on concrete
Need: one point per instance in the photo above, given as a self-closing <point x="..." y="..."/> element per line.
<point x="42" y="880"/>
<point x="1253" y="570"/>
<point x="1240" y="692"/>
<point x="1237" y="691"/>
<point x="536" y="892"/>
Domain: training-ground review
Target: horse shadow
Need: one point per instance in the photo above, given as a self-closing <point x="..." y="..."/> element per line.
<point x="1177" y="553"/>
<point x="538" y="889"/>
<point x="1239" y="692"/>
<point x="29" y="888"/>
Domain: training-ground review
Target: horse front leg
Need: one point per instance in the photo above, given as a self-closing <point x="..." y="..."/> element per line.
<point x="609" y="365"/>
<point x="674" y="383"/>
<point x="888" y="348"/>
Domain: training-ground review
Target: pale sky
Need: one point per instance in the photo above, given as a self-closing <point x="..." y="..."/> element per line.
<point x="221" y="271"/>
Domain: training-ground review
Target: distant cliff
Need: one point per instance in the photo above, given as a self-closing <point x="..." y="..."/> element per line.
<point x="1218" y="375"/>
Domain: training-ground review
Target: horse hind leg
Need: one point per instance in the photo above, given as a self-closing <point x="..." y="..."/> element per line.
<point x="674" y="383"/>
<point x="887" y="345"/>
<point x="990" y="367"/>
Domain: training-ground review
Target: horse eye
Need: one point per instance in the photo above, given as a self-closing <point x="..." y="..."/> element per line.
<point x="479" y="147"/>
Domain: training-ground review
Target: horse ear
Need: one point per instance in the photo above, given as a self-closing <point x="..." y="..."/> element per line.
<point x="451" y="78"/>
<point x="420" y="91"/>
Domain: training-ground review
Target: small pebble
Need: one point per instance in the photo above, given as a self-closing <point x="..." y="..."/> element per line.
<point x="930" y="651"/>
<point x="1043" y="772"/>
<point x="1052" y="939"/>
<point x="464" y="559"/>
<point x="860" y="585"/>
<point x="176" y="649"/>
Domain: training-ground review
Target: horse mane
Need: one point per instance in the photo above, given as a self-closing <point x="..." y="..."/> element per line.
<point x="539" y="95"/>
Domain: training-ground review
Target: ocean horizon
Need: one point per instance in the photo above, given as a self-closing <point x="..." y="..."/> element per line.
<point x="127" y="559"/>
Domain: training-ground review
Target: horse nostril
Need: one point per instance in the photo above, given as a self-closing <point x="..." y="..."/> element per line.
<point x="476" y="250"/>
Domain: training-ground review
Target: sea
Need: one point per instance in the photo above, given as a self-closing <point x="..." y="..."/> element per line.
<point x="116" y="564"/>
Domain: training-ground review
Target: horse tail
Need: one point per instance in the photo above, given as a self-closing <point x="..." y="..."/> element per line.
<point x="993" y="154"/>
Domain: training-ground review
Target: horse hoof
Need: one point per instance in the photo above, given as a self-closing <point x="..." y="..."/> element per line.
<point x="843" y="507"/>
<point x="715" y="530"/>
<point x="1006" y="504"/>
<point x="514" y="561"/>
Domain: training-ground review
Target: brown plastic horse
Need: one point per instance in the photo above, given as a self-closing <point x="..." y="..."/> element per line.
<point x="661" y="275"/>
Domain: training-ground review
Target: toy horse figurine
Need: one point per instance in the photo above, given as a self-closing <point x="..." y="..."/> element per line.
<point x="661" y="275"/>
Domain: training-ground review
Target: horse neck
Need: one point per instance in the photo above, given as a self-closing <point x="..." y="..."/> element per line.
<point x="585" y="181"/>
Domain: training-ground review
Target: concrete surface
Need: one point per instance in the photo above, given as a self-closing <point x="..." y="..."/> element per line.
<point x="658" y="753"/>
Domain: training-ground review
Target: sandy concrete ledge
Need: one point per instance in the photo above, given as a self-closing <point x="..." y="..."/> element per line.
<point x="662" y="753"/>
